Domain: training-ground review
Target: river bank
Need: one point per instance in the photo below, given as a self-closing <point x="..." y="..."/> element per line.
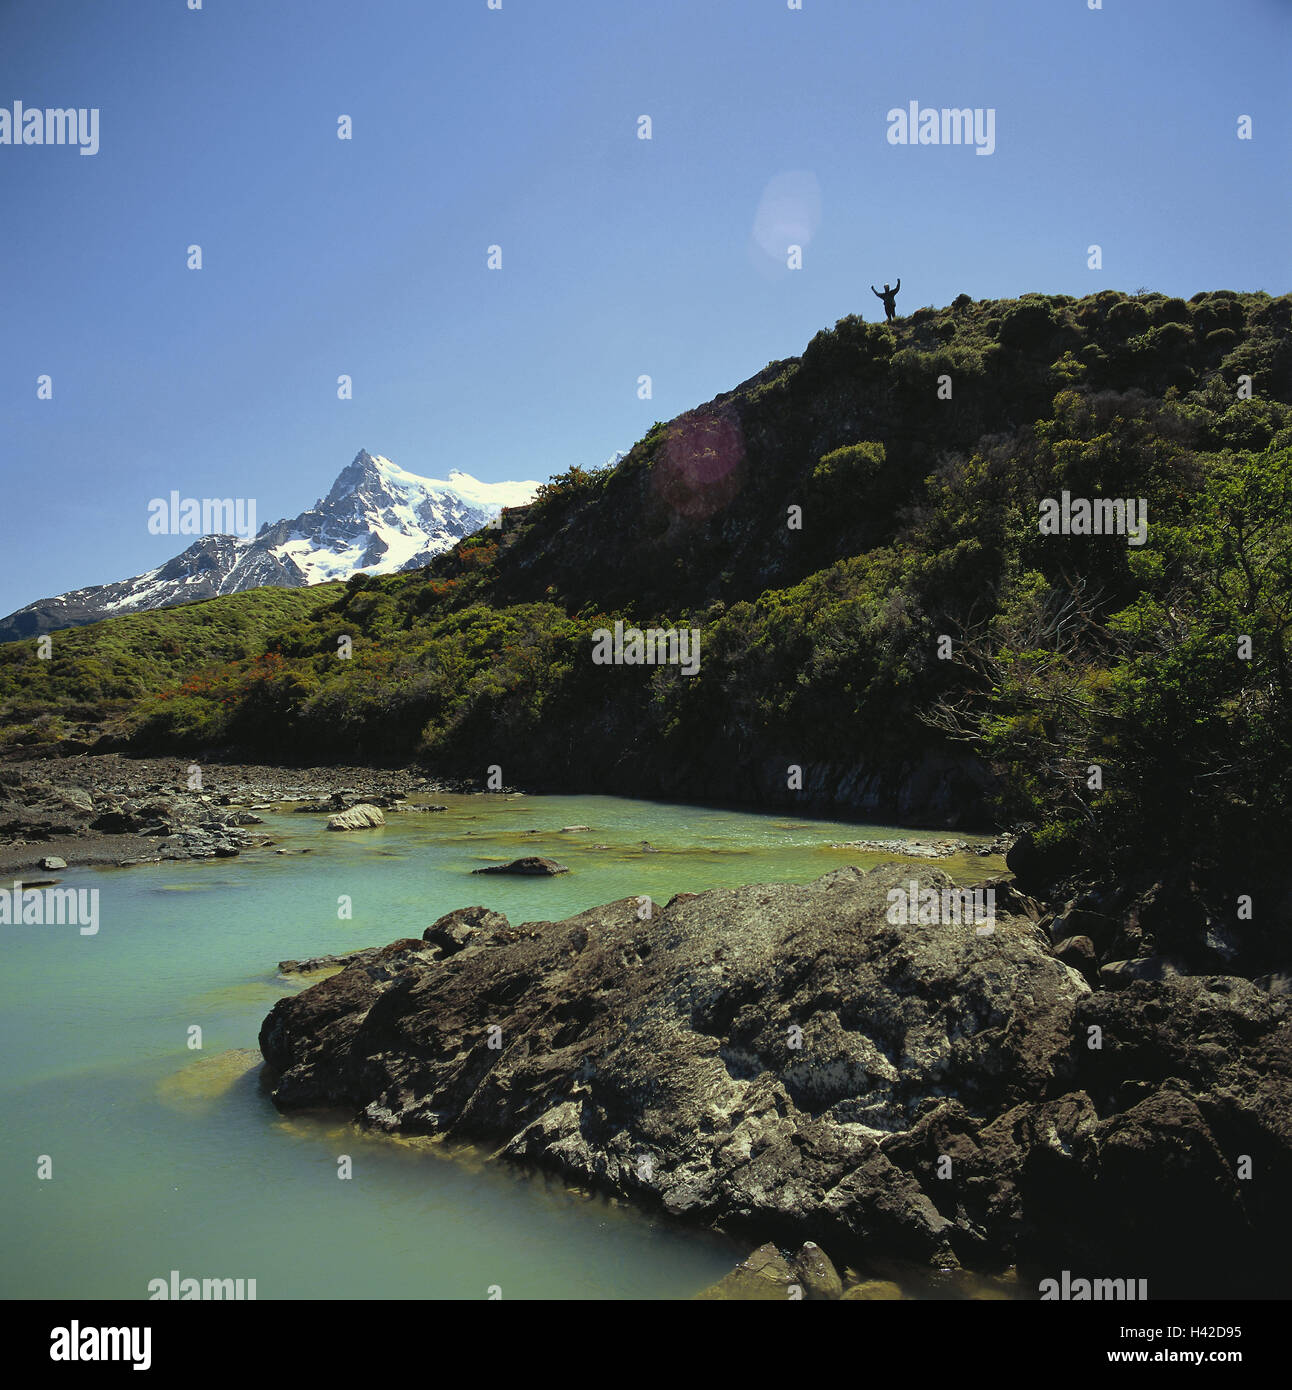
<point x="113" y="810"/>
<point x="107" y="809"/>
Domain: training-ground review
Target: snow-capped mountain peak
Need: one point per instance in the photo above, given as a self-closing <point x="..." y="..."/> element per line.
<point x="377" y="517"/>
<point x="380" y="517"/>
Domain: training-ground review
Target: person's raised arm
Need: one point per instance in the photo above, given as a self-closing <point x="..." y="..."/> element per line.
<point x="875" y="292"/>
<point x="897" y="286"/>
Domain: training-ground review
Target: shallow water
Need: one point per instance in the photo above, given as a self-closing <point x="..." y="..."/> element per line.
<point x="168" y="1158"/>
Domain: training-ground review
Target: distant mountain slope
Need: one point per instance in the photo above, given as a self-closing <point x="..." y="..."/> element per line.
<point x="378" y="517"/>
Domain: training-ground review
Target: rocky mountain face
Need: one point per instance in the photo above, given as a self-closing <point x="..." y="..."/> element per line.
<point x="781" y="1061"/>
<point x="377" y="517"/>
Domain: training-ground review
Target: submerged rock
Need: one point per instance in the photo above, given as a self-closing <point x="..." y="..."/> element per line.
<point x="208" y="1078"/>
<point x="529" y="864"/>
<point x="875" y="1290"/>
<point x="782" y="1061"/>
<point x="764" y="1276"/>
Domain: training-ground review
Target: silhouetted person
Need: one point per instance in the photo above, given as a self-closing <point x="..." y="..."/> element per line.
<point x="889" y="297"/>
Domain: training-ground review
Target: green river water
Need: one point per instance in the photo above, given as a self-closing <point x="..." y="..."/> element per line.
<point x="164" y="1158"/>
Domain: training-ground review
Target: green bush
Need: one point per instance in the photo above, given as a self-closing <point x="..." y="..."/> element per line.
<point x="850" y="470"/>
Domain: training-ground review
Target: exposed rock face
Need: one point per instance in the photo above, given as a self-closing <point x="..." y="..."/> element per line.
<point x="361" y="817"/>
<point x="673" y="1040"/>
<point x="530" y="864"/>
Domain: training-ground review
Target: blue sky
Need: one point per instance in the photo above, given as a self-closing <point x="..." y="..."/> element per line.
<point x="621" y="257"/>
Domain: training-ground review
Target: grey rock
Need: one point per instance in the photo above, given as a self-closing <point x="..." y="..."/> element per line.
<point x="1117" y="974"/>
<point x="387" y="959"/>
<point x="1083" y="1129"/>
<point x="1097" y="928"/>
<point x="361" y="817"/>
<point x="455" y="930"/>
<point x="1079" y="953"/>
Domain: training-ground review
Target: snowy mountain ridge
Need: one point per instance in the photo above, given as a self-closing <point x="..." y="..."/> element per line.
<point x="378" y="517"/>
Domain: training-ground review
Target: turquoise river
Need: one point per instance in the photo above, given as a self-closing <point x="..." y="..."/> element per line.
<point x="162" y="1158"/>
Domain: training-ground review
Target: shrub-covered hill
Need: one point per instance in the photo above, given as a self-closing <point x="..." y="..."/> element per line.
<point x="96" y="679"/>
<point x="828" y="526"/>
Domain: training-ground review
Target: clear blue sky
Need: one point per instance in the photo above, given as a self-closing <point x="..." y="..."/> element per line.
<point x="620" y="256"/>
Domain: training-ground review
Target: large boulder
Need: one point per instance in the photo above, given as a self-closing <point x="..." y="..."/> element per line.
<point x="1040" y="860"/>
<point x="679" y="1037"/>
<point x="782" y="1061"/>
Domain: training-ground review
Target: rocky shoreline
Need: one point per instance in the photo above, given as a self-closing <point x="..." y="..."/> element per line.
<point x="106" y="809"/>
<point x="783" y="1063"/>
<point x="930" y="849"/>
